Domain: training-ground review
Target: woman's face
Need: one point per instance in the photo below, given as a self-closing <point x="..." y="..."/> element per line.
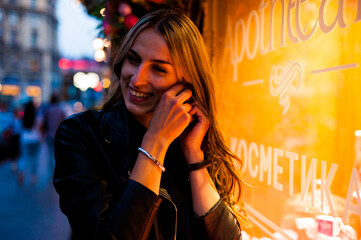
<point x="147" y="72"/>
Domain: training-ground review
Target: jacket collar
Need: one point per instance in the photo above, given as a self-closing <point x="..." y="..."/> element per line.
<point x="120" y="128"/>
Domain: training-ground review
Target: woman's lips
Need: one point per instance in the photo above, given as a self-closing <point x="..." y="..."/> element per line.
<point x="138" y="96"/>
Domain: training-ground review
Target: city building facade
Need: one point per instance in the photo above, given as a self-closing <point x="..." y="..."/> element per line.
<point x="28" y="50"/>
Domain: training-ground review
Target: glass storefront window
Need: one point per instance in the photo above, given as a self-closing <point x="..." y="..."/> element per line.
<point x="289" y="74"/>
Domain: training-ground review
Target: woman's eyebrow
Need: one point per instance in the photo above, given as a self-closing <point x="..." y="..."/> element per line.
<point x="153" y="60"/>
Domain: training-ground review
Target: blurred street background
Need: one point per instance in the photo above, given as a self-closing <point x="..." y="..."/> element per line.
<point x="30" y="211"/>
<point x="43" y="44"/>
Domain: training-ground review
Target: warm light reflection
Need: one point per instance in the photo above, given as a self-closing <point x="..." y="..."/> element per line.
<point x="33" y="91"/>
<point x="106" y="42"/>
<point x="106" y="82"/>
<point x="78" y="107"/>
<point x="10" y="90"/>
<point x="99" y="87"/>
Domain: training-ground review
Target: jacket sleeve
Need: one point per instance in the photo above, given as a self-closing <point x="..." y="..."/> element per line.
<point x="94" y="209"/>
<point x="221" y="224"/>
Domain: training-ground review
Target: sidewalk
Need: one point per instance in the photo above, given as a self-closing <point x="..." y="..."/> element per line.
<point x="30" y="211"/>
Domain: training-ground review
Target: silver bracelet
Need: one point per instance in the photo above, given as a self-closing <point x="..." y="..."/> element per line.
<point x="152" y="158"/>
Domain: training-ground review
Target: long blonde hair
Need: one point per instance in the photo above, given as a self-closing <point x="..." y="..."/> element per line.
<point x="193" y="66"/>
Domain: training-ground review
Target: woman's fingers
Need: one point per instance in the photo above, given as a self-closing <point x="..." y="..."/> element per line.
<point x="188" y="108"/>
<point x="185" y="95"/>
<point x="198" y="112"/>
<point x="178" y="93"/>
<point x="175" y="90"/>
<point x="171" y="115"/>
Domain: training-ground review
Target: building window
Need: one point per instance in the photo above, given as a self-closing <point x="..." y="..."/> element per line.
<point x="33" y="3"/>
<point x="13" y="19"/>
<point x="13" y="37"/>
<point x="34" y="20"/>
<point x="34" y="38"/>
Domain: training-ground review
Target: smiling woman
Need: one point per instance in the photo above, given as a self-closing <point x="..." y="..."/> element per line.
<point x="152" y="164"/>
<point x="147" y="72"/>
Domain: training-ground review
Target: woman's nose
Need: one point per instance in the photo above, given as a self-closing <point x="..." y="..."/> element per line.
<point x="141" y="76"/>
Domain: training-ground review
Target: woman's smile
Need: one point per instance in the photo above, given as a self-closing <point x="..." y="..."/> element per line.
<point x="139" y="96"/>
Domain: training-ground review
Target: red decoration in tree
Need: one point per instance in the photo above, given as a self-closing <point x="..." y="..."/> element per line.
<point x="130" y="20"/>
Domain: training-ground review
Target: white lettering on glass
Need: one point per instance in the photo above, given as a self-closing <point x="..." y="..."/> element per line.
<point x="353" y="187"/>
<point x="266" y="159"/>
<point x="281" y="82"/>
<point x="239" y="42"/>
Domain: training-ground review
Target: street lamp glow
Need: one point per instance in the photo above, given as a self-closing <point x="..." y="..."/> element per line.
<point x="102" y="12"/>
<point x="106" y="82"/>
<point x="99" y="55"/>
<point x="93" y="79"/>
<point x="106" y="42"/>
<point x="98" y="44"/>
<point x="84" y="81"/>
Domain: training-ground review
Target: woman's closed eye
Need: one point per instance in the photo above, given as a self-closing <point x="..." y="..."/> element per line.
<point x="159" y="69"/>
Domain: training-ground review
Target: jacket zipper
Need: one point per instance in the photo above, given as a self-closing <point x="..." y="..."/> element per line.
<point x="165" y="194"/>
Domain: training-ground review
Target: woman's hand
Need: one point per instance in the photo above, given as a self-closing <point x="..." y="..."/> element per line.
<point x="171" y="116"/>
<point x="193" y="137"/>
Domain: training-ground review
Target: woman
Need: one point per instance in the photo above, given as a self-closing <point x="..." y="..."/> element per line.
<point x="138" y="168"/>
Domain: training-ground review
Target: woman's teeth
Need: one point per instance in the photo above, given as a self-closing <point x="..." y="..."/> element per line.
<point x="139" y="94"/>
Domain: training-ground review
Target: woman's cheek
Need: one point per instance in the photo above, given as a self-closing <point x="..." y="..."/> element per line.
<point x="163" y="84"/>
<point x="127" y="71"/>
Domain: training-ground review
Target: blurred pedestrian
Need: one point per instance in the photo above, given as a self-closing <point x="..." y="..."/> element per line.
<point x="30" y="143"/>
<point x="14" y="150"/>
<point x="53" y="116"/>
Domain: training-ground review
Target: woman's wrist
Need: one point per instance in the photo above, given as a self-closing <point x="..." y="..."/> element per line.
<point x="199" y="165"/>
<point x="194" y="156"/>
<point x="156" y="139"/>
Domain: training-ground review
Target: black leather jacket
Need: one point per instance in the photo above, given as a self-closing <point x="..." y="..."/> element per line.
<point x="94" y="153"/>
